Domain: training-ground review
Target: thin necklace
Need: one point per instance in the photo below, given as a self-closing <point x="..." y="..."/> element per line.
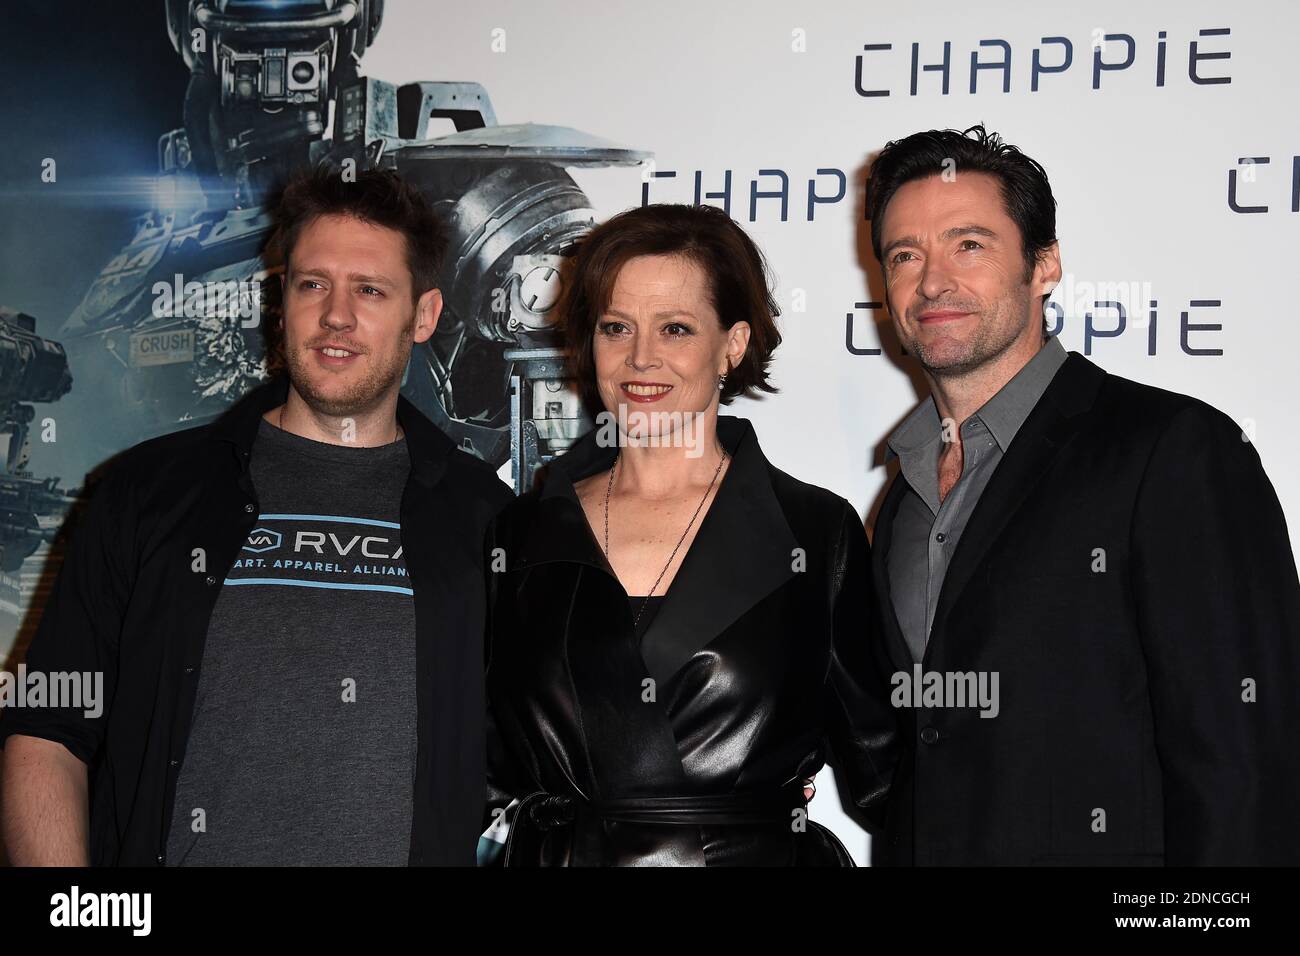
<point x="609" y="489"/>
<point x="279" y="421"/>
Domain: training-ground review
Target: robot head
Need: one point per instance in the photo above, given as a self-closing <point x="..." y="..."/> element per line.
<point x="273" y="53"/>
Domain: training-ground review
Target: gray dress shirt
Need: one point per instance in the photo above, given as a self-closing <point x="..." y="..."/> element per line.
<point x="926" y="532"/>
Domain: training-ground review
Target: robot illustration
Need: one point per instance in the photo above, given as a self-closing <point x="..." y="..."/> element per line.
<point x="275" y="85"/>
<point x="32" y="369"/>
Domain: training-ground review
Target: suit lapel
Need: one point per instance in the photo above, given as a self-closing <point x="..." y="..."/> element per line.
<point x="743" y="551"/>
<point x="560" y="531"/>
<point x="884" y="532"/>
<point x="1051" y="424"/>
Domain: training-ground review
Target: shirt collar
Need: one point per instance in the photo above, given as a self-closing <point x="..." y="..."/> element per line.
<point x="1002" y="415"/>
<point x="918" y="429"/>
<point x="1006" y="411"/>
<point x="429" y="448"/>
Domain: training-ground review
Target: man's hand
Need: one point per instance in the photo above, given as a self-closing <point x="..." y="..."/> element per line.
<point x="44" y="804"/>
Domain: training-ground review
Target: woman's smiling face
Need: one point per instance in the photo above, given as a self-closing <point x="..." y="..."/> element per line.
<point x="659" y="345"/>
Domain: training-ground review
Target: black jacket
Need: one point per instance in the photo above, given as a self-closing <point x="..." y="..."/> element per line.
<point x="1127" y="573"/>
<point x="690" y="749"/>
<point x="127" y="602"/>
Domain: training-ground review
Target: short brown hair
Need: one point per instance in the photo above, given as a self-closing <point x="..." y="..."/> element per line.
<point x="1026" y="193"/>
<point x="737" y="274"/>
<point x="377" y="196"/>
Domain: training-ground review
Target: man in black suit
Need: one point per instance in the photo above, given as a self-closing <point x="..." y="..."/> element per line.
<point x="1087" y="587"/>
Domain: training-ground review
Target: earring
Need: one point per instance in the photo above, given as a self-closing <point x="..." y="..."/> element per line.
<point x="722" y="381"/>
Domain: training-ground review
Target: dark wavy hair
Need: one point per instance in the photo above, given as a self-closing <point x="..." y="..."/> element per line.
<point x="377" y="196"/>
<point x="738" y="277"/>
<point x="1026" y="193"/>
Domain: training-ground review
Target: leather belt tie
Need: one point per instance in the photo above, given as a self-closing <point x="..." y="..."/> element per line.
<point x="753" y="807"/>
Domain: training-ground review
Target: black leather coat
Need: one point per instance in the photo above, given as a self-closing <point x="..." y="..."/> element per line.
<point x="688" y="750"/>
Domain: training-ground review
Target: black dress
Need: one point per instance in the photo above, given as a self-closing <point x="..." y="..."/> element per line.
<point x="688" y="744"/>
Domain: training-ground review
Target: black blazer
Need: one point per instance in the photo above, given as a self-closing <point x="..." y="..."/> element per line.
<point x="1123" y="736"/>
<point x="690" y="749"/>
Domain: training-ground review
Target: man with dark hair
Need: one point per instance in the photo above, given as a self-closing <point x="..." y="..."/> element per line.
<point x="287" y="604"/>
<point x="1107" y="558"/>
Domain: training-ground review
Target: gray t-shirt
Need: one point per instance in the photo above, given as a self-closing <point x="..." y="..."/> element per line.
<point x="302" y="748"/>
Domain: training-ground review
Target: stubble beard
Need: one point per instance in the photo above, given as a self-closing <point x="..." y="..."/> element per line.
<point x="360" y="395"/>
<point x="992" y="337"/>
